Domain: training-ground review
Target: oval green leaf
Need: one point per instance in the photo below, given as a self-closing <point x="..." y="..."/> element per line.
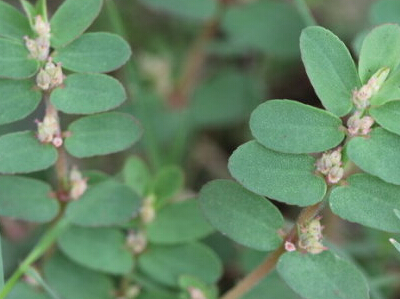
<point x="71" y="19"/>
<point x="18" y="100"/>
<point x="378" y="155"/>
<point x="390" y="90"/>
<point x="105" y="203"/>
<point x="15" y="62"/>
<point x="136" y="175"/>
<point x="388" y="116"/>
<point x="179" y="222"/>
<point x="102" y="134"/>
<point x="72" y="281"/>
<point x="88" y="93"/>
<point x="166" y="264"/>
<point x="243" y="216"/>
<point x="23" y="290"/>
<point x="379" y="49"/>
<point x="98" y="52"/>
<point x="100" y="249"/>
<point x="26" y="199"/>
<point x="287" y="178"/>
<point x="292" y="127"/>
<point x="330" y="68"/>
<point x="21" y="152"/>
<point x="167" y="183"/>
<point x="13" y="24"/>
<point x="324" y="275"/>
<point x="367" y="200"/>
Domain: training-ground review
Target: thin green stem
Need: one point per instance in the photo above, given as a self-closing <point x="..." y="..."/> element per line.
<point x="1" y="268"/>
<point x="305" y="12"/>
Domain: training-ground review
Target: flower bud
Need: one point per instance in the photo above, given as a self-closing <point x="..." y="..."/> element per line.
<point x="41" y="27"/>
<point x="310" y="236"/>
<point x="289" y="246"/>
<point x="335" y="174"/>
<point x="196" y="293"/>
<point x="47" y="129"/>
<point x="43" y="80"/>
<point x="330" y="165"/>
<point x="136" y="241"/>
<point x="148" y="212"/>
<point x="78" y="184"/>
<point x="359" y="126"/>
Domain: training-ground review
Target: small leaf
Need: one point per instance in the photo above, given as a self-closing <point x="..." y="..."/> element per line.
<point x="88" y="93"/>
<point x="292" y="127"/>
<point x="166" y="264"/>
<point x="23" y="290"/>
<point x="284" y="177"/>
<point x="100" y="249"/>
<point x="13" y="24"/>
<point x="331" y="69"/>
<point x="41" y="9"/>
<point x="15" y="62"/>
<point x="30" y="11"/>
<point x="367" y="200"/>
<point x="21" y="152"/>
<point x="179" y="222"/>
<point x="388" y="116"/>
<point x="102" y="134"/>
<point x="71" y="19"/>
<point x="137" y="175"/>
<point x="72" y="281"/>
<point x="378" y="155"/>
<point x="104" y="204"/>
<point x="243" y="216"/>
<point x="380" y="49"/>
<point x="324" y="275"/>
<point x="195" y="9"/>
<point x="389" y="91"/>
<point x="168" y="182"/>
<point x="26" y="199"/>
<point x="18" y="100"/>
<point x="98" y="52"/>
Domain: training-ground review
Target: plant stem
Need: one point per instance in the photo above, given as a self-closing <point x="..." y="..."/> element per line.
<point x="1" y="268"/>
<point x="305" y="12"/>
<point x="269" y="264"/>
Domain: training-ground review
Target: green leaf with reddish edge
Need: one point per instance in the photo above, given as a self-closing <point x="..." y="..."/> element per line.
<point x="100" y="249"/>
<point x="366" y="200"/>
<point x="379" y="49"/>
<point x="330" y="68"/>
<point x="21" y="152"/>
<point x="388" y="116"/>
<point x="98" y="52"/>
<point x="71" y="19"/>
<point x="27" y="199"/>
<point x="292" y="127"/>
<point x="284" y="177"/>
<point x="241" y="215"/>
<point x="88" y="93"/>
<point x="102" y="134"/>
<point x="378" y="154"/>
<point x="13" y="24"/>
<point x="18" y="99"/>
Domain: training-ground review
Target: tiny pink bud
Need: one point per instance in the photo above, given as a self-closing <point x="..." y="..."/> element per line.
<point x="57" y="142"/>
<point x="289" y="246"/>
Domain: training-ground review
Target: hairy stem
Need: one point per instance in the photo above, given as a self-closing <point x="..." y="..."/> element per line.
<point x="305" y="12"/>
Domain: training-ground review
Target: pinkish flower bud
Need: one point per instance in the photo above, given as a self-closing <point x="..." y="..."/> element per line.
<point x="335" y="174"/>
<point x="136" y="241"/>
<point x="41" y="27"/>
<point x="47" y="129"/>
<point x="57" y="141"/>
<point x="43" y="80"/>
<point x="289" y="246"/>
<point x="359" y="126"/>
<point x="196" y="293"/>
<point x="78" y="184"/>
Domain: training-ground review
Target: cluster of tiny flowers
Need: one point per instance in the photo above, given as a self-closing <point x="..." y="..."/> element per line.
<point x="39" y="48"/>
<point x="330" y="165"/>
<point x="48" y="130"/>
<point x="50" y="76"/>
<point x="136" y="241"/>
<point x="310" y="236"/>
<point x="78" y="184"/>
<point x="196" y="293"/>
<point x="148" y="212"/>
<point x="358" y="125"/>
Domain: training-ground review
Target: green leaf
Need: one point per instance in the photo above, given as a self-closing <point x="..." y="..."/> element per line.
<point x="367" y="200"/>
<point x="41" y="9"/>
<point x="18" y="100"/>
<point x="104" y="204"/>
<point x="166" y="264"/>
<point x="268" y="26"/>
<point x="102" y="134"/>
<point x="72" y="281"/>
<point x="88" y="93"/>
<point x="30" y="11"/>
<point x="21" y="152"/>
<point x="330" y="68"/>
<point x="136" y="175"/>
<point x="380" y="49"/>
<point x="13" y="24"/>
<point x="71" y="19"/>
<point x="384" y="11"/>
<point x="22" y="290"/>
<point x="378" y="155"/>
<point x="187" y="281"/>
<point x="15" y="62"/>
<point x="292" y="127"/>
<point x="168" y="182"/>
<point x="389" y="91"/>
<point x="179" y="223"/>
<point x="387" y="116"/>
<point x="100" y="249"/>
<point x="324" y="275"/>
<point x="98" y="52"/>
<point x="1" y="268"/>
<point x="243" y="216"/>
<point x="287" y="178"/>
<point x="194" y="9"/>
<point x="27" y="199"/>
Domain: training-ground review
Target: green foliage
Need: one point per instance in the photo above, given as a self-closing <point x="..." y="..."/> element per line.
<point x="188" y="281"/>
<point x="22" y="290"/>
<point x="100" y="249"/>
<point x="387" y="116"/>
<point x="1" y="267"/>
<point x="247" y="218"/>
<point x="27" y="199"/>
<point x="330" y="68"/>
<point x="12" y="23"/>
<point x="332" y="276"/>
<point x="167" y="183"/>
<point x="385" y="11"/>
<point x="136" y="175"/>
